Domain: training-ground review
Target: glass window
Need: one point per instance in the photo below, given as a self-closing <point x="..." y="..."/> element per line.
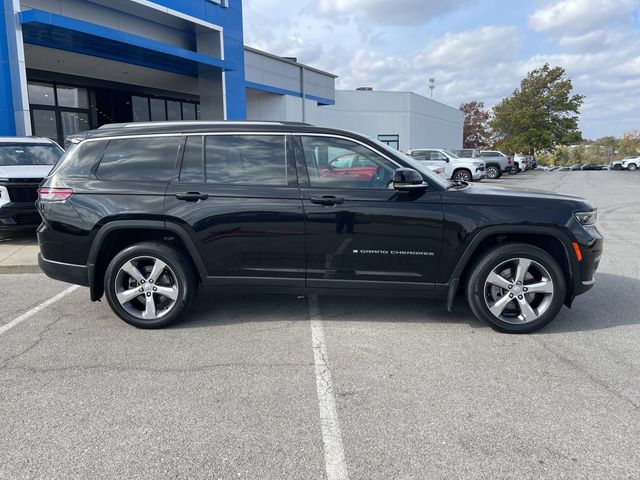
<point x="29" y="154"/>
<point x="41" y="93"/>
<point x="173" y="110"/>
<point x="139" y="159"/>
<point x="74" y="122"/>
<point x="72" y="97"/>
<point x="140" y="109"/>
<point x="370" y="169"/>
<point x="44" y="123"/>
<point x="158" y="111"/>
<point x="392" y="141"/>
<point x="80" y="159"/>
<point x="192" y="161"/>
<point x="188" y="111"/>
<point x="246" y="160"/>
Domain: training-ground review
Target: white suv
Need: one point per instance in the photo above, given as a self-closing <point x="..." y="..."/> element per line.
<point x="455" y="168"/>
<point x="24" y="162"/>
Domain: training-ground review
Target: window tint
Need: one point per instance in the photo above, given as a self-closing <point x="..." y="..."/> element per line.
<point x="367" y="169"/>
<point x="246" y="160"/>
<point x="191" y="170"/>
<point x="139" y="159"/>
<point x="80" y="159"/>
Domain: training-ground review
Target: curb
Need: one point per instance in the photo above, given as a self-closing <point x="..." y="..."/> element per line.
<point x="6" y="269"/>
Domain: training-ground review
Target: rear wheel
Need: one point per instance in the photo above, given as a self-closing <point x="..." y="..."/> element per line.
<point x="493" y="172"/>
<point x="462" y="175"/>
<point x="516" y="288"/>
<point x="617" y="167"/>
<point x="150" y="285"/>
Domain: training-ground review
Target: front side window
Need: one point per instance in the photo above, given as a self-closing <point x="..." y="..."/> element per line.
<point x="341" y="163"/>
<point x="148" y="159"/>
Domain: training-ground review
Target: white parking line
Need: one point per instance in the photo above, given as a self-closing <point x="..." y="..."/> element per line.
<point x="335" y="463"/>
<point x="34" y="310"/>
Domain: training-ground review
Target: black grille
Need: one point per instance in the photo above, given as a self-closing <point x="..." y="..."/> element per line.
<point x="28" y="219"/>
<point x="23" y="193"/>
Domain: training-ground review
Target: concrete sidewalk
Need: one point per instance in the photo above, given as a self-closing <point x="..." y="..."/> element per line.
<point x="19" y="252"/>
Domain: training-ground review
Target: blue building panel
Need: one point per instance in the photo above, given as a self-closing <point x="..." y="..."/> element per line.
<point x="7" y="117"/>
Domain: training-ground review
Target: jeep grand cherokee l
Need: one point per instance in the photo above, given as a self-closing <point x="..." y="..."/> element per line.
<point x="24" y="162"/>
<point x="145" y="214"/>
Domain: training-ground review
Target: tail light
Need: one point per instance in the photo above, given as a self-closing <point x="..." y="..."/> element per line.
<point x="54" y="194"/>
<point x="509" y="160"/>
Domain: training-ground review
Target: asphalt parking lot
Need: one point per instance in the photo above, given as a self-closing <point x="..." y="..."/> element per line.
<point x="404" y="388"/>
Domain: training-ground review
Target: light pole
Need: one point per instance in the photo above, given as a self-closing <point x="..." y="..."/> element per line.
<point x="432" y="85"/>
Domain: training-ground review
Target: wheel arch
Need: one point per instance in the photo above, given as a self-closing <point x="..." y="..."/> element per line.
<point x="555" y="242"/>
<point x="120" y="234"/>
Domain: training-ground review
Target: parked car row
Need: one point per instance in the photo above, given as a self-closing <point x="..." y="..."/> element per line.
<point x="629" y="163"/>
<point x="471" y="164"/>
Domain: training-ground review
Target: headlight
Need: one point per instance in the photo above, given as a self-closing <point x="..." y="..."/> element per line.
<point x="478" y="164"/>
<point x="587" y="218"/>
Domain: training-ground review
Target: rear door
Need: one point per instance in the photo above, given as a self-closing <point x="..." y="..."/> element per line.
<point x="237" y="196"/>
<point x="360" y="233"/>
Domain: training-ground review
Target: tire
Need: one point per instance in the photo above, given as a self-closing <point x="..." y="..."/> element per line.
<point x="632" y="167"/>
<point x="617" y="167"/>
<point x="482" y="292"/>
<point x="463" y="175"/>
<point x="132" y="270"/>
<point x="493" y="172"/>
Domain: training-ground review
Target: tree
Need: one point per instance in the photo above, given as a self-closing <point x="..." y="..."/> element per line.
<point x="476" y="131"/>
<point x="630" y="144"/>
<point x="541" y="114"/>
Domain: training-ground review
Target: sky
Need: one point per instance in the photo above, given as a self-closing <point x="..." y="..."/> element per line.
<point x="475" y="50"/>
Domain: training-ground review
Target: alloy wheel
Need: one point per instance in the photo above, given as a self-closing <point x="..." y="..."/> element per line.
<point x="518" y="291"/>
<point x="492" y="173"/>
<point x="462" y="176"/>
<point x="146" y="287"/>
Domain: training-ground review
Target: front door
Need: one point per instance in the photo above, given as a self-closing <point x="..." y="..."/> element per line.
<point x="360" y="233"/>
<point x="237" y="195"/>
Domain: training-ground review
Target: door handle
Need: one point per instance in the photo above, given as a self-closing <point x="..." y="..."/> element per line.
<point x="328" y="200"/>
<point x="192" y="196"/>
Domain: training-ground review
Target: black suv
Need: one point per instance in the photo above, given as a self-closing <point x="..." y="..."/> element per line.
<point x="147" y="213"/>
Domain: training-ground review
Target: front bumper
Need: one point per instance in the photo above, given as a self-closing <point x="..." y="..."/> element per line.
<point x="591" y="247"/>
<point x="65" y="272"/>
<point x="16" y="214"/>
<point x="479" y="174"/>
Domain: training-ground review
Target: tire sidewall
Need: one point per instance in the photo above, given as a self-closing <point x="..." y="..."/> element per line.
<point x="475" y="289"/>
<point x="493" y="169"/>
<point x="175" y="261"/>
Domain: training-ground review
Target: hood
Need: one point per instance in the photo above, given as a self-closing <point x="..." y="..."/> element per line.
<point x="25" y="171"/>
<point x="513" y="196"/>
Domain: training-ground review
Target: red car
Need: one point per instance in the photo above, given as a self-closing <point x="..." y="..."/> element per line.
<point x="349" y="165"/>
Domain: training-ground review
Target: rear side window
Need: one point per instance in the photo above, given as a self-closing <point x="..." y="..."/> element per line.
<point x="149" y="159"/>
<point x="80" y="159"/>
<point x="236" y="160"/>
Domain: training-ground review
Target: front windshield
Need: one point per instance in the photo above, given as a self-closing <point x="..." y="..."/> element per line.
<point x="451" y="154"/>
<point x="415" y="164"/>
<point x="16" y="154"/>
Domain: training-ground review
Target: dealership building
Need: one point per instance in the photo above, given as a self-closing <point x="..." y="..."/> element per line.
<point x="73" y="65"/>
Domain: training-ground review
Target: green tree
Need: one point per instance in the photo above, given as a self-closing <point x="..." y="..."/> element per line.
<point x="541" y="114"/>
<point x="630" y="144"/>
<point x="476" y="131"/>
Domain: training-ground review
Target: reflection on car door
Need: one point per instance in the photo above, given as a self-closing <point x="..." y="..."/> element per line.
<point x="361" y="233"/>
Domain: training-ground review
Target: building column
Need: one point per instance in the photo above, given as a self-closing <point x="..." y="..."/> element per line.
<point x="14" y="100"/>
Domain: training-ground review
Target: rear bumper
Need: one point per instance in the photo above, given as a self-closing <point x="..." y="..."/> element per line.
<point x="65" y="272"/>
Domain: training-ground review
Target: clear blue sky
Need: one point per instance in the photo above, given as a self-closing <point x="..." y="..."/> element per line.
<point x="476" y="50"/>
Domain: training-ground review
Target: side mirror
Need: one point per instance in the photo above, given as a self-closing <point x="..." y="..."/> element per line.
<point x="408" y="179"/>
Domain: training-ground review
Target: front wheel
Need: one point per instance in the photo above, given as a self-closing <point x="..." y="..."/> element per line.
<point x="462" y="176"/>
<point x="516" y="288"/>
<point x="632" y="167"/>
<point x="493" y="172"/>
<point x="150" y="285"/>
